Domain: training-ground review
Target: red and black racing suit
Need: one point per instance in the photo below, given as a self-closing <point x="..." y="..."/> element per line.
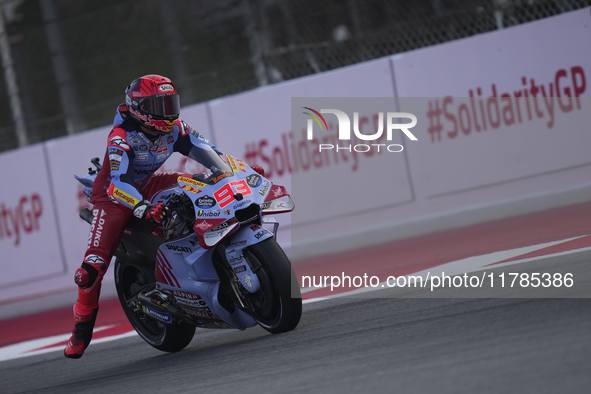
<point x="126" y="178"/>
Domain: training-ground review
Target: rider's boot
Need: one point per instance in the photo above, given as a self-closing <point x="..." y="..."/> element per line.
<point x="82" y="333"/>
<point x="88" y="278"/>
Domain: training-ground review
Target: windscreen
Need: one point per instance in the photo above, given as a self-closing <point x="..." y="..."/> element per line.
<point x="205" y="155"/>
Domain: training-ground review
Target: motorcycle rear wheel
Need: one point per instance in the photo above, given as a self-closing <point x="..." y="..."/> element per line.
<point x="278" y="304"/>
<point x="129" y="279"/>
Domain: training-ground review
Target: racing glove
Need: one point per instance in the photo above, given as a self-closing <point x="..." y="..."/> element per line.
<point x="144" y="210"/>
<point x="259" y="170"/>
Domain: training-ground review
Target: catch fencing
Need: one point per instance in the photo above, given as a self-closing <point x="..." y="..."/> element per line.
<point x="67" y="62"/>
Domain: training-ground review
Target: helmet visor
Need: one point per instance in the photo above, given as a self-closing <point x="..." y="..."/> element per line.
<point x="168" y="105"/>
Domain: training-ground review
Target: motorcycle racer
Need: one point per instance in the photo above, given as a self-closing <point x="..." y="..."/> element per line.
<point x="146" y="131"/>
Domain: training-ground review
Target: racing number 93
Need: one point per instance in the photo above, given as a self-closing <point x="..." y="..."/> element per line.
<point x="225" y="195"/>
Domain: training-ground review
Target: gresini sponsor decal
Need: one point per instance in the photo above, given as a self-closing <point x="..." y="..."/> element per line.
<point x="203" y="225"/>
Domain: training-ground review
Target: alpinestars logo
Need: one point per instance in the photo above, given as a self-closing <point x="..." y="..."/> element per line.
<point x="345" y="129"/>
<point x="119" y="141"/>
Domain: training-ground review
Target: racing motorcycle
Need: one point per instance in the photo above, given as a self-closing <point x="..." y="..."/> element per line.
<point x="212" y="263"/>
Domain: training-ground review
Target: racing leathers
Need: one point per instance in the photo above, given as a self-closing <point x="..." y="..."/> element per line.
<point x="126" y="178"/>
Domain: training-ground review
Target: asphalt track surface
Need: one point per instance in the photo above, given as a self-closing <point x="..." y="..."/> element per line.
<point x="354" y="345"/>
<point x="392" y="340"/>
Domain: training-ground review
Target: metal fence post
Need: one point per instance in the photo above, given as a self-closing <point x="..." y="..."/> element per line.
<point x="254" y="39"/>
<point x="12" y="86"/>
<point x="61" y="67"/>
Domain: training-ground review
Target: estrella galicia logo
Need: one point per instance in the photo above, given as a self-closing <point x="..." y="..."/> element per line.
<point x="253" y="180"/>
<point x="205" y="202"/>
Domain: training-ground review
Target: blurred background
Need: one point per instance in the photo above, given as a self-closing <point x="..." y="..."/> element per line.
<point x="66" y="63"/>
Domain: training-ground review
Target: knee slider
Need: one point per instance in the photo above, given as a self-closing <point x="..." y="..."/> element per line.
<point x="90" y="272"/>
<point x="85" y="276"/>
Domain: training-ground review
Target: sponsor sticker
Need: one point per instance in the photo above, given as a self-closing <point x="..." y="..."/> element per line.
<point x="233" y="164"/>
<point x="165" y="317"/>
<point x="146" y="139"/>
<point x="118" y="193"/>
<point x="184" y="294"/>
<point x="189" y="307"/>
<point x="210" y="235"/>
<point x="278" y="192"/>
<point x="248" y="281"/>
<point x="254" y="180"/>
<point x="208" y="214"/>
<point x="221" y="176"/>
<point x="142" y="156"/>
<point x="260" y="234"/>
<point x="224" y="225"/>
<point x="191" y="181"/>
<point x="179" y="248"/>
<point x="235" y="260"/>
<point x="241" y="204"/>
<point x="241" y="165"/>
<point x="205" y="202"/>
<point x="190" y="189"/>
<point x="202" y="314"/>
<point x="265" y="188"/>
<point x="203" y="225"/>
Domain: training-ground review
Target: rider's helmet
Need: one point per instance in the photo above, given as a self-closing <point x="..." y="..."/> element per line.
<point x="154" y="102"/>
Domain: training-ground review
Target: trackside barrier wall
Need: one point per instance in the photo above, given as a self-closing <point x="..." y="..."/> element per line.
<point x="39" y="264"/>
<point x="454" y="175"/>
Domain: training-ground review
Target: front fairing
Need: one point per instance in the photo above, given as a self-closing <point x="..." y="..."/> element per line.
<point x="225" y="203"/>
<point x="228" y="198"/>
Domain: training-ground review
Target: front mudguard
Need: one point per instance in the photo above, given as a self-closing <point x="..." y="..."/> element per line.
<point x="245" y="236"/>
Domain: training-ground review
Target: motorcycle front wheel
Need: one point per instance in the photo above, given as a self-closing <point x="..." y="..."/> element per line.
<point x="129" y="279"/>
<point x="278" y="304"/>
